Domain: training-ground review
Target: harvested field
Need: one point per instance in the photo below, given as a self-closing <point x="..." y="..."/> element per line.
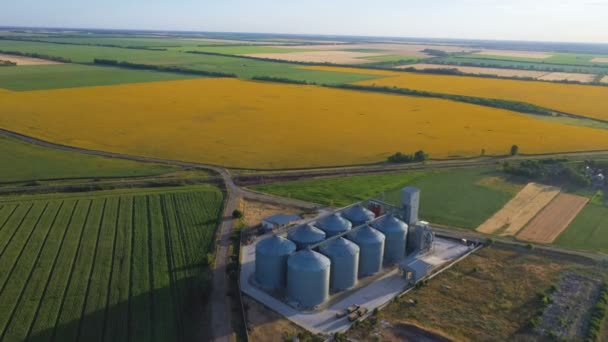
<point x="515" y="54"/>
<point x="478" y="70"/>
<point x="264" y="125"/>
<point x="566" y="76"/>
<point x="554" y="219"/>
<point x="520" y="210"/>
<point x="21" y="60"/>
<point x="335" y="57"/>
<point x="600" y="60"/>
<point x="585" y="100"/>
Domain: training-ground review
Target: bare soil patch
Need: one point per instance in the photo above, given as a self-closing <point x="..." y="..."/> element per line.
<point x="478" y="70"/>
<point x="515" y="54"/>
<point x="519" y="210"/>
<point x="605" y="79"/>
<point x="490" y="296"/>
<point x="336" y="57"/>
<point x="567" y="315"/>
<point x="600" y="60"/>
<point x="554" y="219"/>
<point x="21" y="60"/>
<point x="256" y="211"/>
<point x="267" y="325"/>
<point x="566" y="76"/>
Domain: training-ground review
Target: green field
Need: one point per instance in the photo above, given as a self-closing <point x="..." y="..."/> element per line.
<point x="26" y="162"/>
<point x="242" y="67"/>
<point x="588" y="231"/>
<point x="108" y="266"/>
<point x="458" y="198"/>
<point x="39" y="77"/>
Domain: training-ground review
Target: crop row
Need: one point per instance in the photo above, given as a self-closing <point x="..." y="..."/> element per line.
<point x="120" y="268"/>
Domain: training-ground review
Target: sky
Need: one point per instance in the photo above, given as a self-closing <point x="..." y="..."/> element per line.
<point x="532" y="20"/>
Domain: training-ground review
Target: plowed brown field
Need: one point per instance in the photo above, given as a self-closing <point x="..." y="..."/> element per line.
<point x="554" y="219"/>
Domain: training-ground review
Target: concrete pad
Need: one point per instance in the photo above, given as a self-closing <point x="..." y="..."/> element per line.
<point x="373" y="295"/>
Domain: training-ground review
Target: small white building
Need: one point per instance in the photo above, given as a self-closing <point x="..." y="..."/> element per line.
<point x="278" y="221"/>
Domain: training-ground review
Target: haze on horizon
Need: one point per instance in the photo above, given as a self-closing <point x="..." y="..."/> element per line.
<point x="529" y="20"/>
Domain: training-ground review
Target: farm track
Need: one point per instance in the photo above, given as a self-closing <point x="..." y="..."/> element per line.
<point x="220" y="305"/>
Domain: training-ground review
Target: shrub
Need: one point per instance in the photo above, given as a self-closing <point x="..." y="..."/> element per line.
<point x="237" y="214"/>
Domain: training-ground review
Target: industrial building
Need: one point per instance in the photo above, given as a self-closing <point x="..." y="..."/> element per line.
<point x="334" y="253"/>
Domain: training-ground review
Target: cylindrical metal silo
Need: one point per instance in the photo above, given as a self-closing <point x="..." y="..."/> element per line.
<point x="334" y="224"/>
<point x="308" y="278"/>
<point x="271" y="261"/>
<point x="305" y="235"/>
<point x="344" y="256"/>
<point x="371" y="245"/>
<point x="395" y="231"/>
<point x="358" y="215"/>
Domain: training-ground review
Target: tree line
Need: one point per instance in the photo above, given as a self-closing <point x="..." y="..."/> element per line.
<point x="37" y="55"/>
<point x="163" y="68"/>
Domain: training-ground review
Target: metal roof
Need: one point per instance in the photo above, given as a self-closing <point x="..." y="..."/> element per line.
<point x="282" y="219"/>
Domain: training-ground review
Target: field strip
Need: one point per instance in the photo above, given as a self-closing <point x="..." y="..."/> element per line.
<point x="30" y="298"/>
<point x="116" y="326"/>
<point x="23" y="268"/>
<point x="69" y="318"/>
<point x="92" y="323"/>
<point x="50" y="306"/>
<point x="519" y="210"/>
<point x="12" y="224"/>
<point x="553" y="219"/>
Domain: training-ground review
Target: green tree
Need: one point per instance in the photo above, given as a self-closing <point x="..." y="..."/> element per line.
<point x="514" y="150"/>
<point x="237" y="214"/>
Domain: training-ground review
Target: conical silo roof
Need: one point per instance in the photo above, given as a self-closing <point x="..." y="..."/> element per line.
<point x="306" y="234"/>
<point x="275" y="246"/>
<point x="309" y="261"/>
<point x="334" y="224"/>
<point x="389" y="223"/>
<point x="358" y="215"/>
<point x="339" y="247"/>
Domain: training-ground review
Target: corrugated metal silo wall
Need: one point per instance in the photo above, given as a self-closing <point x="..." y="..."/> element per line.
<point x="309" y="288"/>
<point x="270" y="270"/>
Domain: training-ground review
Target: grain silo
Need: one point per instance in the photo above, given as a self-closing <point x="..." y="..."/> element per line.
<point x="344" y="256"/>
<point x="395" y="231"/>
<point x="410" y="199"/>
<point x="308" y="278"/>
<point x="371" y="245"/>
<point x="271" y="261"/>
<point x="358" y="215"/>
<point x="334" y="224"/>
<point x="305" y="235"/>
